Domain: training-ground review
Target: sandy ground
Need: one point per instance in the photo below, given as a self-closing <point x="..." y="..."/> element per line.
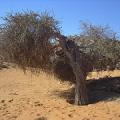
<point x="30" y="97"/>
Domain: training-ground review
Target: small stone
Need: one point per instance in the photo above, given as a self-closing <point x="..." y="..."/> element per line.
<point x="41" y="118"/>
<point x="38" y="104"/>
<point x="2" y="101"/>
<point x="70" y="115"/>
<point x="10" y="100"/>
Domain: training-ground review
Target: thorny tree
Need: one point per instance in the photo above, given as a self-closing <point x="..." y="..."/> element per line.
<point x="27" y="44"/>
<point x="27" y="41"/>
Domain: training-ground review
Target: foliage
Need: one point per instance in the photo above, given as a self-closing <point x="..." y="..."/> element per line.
<point x="26" y="38"/>
<point x="101" y="44"/>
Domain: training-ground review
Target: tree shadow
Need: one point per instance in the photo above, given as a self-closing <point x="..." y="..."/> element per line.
<point x="103" y="89"/>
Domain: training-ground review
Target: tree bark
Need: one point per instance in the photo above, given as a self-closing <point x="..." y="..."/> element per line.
<point x="81" y="96"/>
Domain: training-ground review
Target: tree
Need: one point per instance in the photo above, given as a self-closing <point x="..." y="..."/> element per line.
<point x="101" y="44"/>
<point x="27" y="42"/>
<point x="76" y="59"/>
<point x="26" y="37"/>
<point x="96" y="48"/>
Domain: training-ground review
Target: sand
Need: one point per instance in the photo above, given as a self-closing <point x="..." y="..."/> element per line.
<point x="31" y="97"/>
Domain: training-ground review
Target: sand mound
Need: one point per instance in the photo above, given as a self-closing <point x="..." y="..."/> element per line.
<point x="41" y="97"/>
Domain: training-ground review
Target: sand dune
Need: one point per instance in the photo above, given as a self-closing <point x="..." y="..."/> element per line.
<point x="31" y="97"/>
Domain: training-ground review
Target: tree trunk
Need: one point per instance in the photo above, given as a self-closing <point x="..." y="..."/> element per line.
<point x="81" y="96"/>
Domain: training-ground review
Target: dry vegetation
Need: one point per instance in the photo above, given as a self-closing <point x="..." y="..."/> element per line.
<point x="25" y="41"/>
<point x="25" y="38"/>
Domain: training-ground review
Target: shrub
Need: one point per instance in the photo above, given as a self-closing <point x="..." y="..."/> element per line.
<point x="26" y="38"/>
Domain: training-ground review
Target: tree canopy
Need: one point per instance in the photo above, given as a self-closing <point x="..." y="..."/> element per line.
<point x="26" y="37"/>
<point x="101" y="44"/>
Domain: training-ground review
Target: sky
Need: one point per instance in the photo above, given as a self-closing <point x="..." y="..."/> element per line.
<point x="70" y="12"/>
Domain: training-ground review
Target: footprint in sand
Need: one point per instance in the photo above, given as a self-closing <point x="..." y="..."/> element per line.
<point x="13" y="93"/>
<point x="10" y="100"/>
<point x="38" y="104"/>
<point x="41" y="118"/>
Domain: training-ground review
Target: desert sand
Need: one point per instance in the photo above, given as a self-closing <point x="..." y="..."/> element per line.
<point x="40" y="97"/>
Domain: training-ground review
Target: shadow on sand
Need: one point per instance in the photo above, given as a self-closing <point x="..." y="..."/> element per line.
<point x="103" y="89"/>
